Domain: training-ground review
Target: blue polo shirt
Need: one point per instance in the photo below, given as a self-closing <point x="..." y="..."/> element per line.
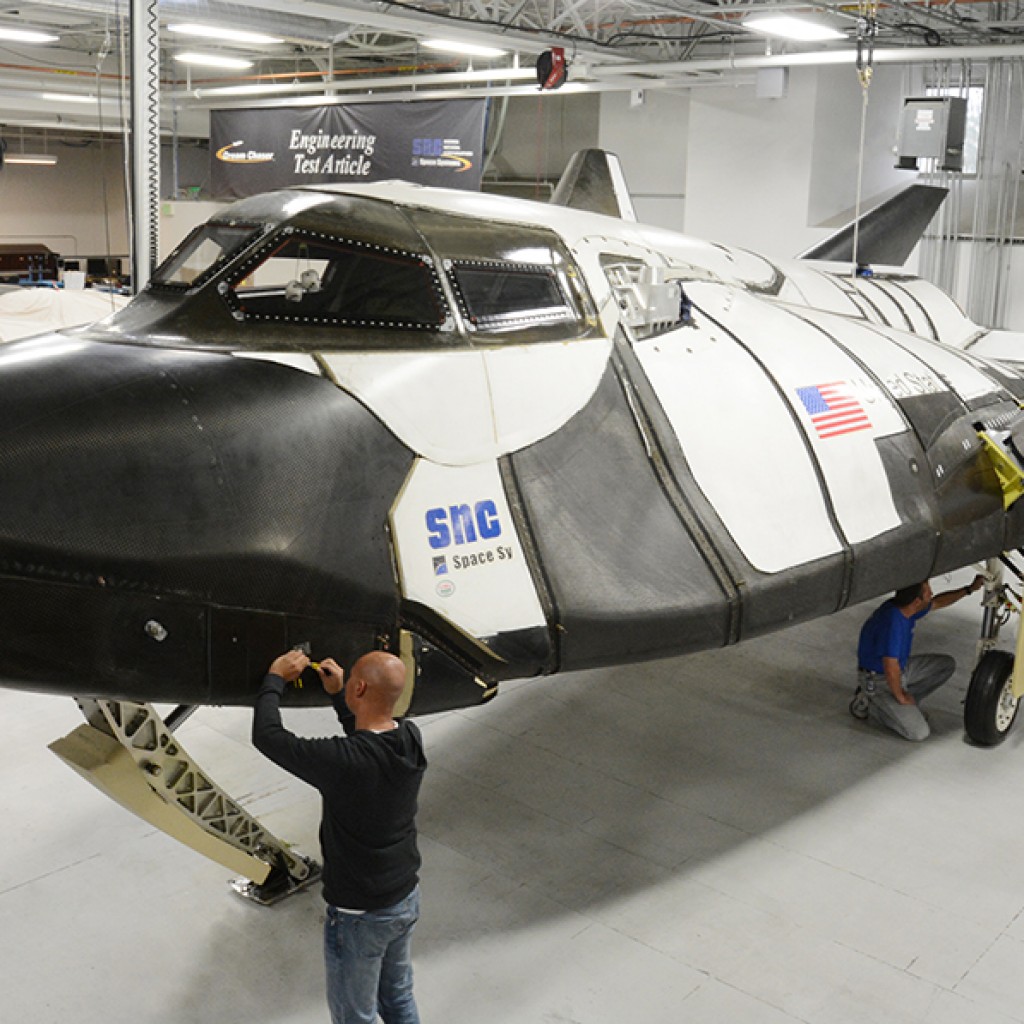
<point x="888" y="633"/>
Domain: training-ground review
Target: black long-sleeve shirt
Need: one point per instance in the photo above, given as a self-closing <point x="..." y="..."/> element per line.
<point x="369" y="783"/>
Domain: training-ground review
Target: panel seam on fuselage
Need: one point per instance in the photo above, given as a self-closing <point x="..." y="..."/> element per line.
<point x="917" y="302"/>
<point x="727" y="579"/>
<point x="826" y="495"/>
<point x="541" y="582"/>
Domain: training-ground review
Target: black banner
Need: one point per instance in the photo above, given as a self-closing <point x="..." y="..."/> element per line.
<point x="430" y="143"/>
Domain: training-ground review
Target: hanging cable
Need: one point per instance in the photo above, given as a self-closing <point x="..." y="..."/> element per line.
<point x="101" y="56"/>
<point x="867" y="30"/>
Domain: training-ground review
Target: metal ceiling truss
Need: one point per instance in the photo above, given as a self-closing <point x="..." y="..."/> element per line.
<point x="360" y="45"/>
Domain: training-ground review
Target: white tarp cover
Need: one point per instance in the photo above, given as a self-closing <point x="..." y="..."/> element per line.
<point x="28" y="311"/>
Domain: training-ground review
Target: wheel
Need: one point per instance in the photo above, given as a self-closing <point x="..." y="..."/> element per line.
<point x="860" y="704"/>
<point x="991" y="707"/>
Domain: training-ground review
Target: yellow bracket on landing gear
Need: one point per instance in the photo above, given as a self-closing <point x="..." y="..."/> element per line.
<point x="1017" y="677"/>
<point x="1011" y="479"/>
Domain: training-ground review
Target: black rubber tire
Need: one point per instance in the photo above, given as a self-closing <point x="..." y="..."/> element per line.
<point x="990" y="709"/>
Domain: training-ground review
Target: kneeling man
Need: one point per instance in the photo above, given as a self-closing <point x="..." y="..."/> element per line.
<point x="891" y="683"/>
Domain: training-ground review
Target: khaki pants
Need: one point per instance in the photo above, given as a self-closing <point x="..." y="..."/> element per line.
<point x="924" y="674"/>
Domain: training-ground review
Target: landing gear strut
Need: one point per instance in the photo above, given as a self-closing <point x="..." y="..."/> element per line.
<point x="129" y="753"/>
<point x="993" y="695"/>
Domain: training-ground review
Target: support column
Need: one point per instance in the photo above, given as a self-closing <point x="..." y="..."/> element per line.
<point x="145" y="141"/>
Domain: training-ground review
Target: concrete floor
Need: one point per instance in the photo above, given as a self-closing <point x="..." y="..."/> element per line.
<point x="711" y="840"/>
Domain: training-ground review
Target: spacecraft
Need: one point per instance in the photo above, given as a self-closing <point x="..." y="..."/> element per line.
<point x="500" y="438"/>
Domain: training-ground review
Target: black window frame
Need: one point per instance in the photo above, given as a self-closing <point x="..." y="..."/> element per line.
<point x="253" y="231"/>
<point x="569" y="313"/>
<point x="288" y="236"/>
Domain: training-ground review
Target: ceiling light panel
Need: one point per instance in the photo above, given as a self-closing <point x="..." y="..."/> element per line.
<point x="68" y="97"/>
<point x="225" y="35"/>
<point x="465" y="49"/>
<point x="213" y="60"/>
<point x="24" y="35"/>
<point x="787" y="27"/>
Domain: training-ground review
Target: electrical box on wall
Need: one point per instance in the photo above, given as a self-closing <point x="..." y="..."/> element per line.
<point x="932" y="128"/>
<point x="771" y="83"/>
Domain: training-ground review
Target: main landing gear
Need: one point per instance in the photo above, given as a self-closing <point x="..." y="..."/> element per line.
<point x="993" y="695"/>
<point x="129" y="753"/>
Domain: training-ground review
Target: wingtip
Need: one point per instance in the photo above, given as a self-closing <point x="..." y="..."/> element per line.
<point x="887" y="233"/>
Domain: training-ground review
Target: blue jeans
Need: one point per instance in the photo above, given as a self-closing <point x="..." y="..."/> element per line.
<point x="369" y="964"/>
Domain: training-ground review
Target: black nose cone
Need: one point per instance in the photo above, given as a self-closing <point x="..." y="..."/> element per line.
<point x="192" y="480"/>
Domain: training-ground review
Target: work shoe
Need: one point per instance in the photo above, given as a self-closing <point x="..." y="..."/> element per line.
<point x="860" y="704"/>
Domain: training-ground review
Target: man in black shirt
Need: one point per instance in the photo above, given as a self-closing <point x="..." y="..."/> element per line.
<point x="369" y="781"/>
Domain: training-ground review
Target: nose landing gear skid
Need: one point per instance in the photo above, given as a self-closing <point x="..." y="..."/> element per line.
<point x="993" y="695"/>
<point x="130" y="754"/>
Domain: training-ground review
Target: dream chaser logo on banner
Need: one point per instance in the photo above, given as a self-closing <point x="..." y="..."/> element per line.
<point x="431" y="143"/>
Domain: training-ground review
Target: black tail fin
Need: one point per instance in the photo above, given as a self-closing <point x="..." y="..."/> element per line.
<point x="888" y="233"/>
<point x="594" y="182"/>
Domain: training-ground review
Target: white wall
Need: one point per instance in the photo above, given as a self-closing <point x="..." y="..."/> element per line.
<point x="63" y="206"/>
<point x="78" y="207"/>
<point x="832" y="196"/>
<point x="775" y="175"/>
<point x="650" y="138"/>
<point x="749" y="166"/>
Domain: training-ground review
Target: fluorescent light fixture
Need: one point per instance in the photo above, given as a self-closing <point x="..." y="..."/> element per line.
<point x="39" y="159"/>
<point x="362" y="84"/>
<point x="68" y="97"/>
<point x="21" y="35"/>
<point x="789" y="27"/>
<point x="214" y="60"/>
<point x="248" y="90"/>
<point x="227" y="35"/>
<point x="465" y="49"/>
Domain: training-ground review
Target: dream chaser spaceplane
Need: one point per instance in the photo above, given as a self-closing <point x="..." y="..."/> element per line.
<point x="499" y="438"/>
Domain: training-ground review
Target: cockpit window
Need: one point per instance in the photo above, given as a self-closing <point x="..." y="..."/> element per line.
<point x="316" y="279"/>
<point x="495" y="295"/>
<point x="203" y="250"/>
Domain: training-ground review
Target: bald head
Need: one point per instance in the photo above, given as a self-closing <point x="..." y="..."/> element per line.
<point x="377" y="679"/>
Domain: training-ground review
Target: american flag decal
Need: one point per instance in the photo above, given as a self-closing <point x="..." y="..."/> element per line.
<point x="833" y="409"/>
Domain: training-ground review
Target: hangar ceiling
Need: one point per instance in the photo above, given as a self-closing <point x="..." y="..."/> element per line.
<point x="78" y="81"/>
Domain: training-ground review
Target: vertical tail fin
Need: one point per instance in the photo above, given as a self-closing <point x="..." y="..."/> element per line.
<point x="594" y="182"/>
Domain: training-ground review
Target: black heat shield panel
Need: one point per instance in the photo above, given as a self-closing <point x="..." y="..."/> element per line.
<point x="220" y="479"/>
<point x="67" y="639"/>
<point x="969" y="498"/>
<point x="1009" y="380"/>
<point x="931" y="414"/>
<point x="197" y="479"/>
<point x="626" y="579"/>
<point x="62" y="638"/>
<point x="763" y="601"/>
<point x="1014" y="535"/>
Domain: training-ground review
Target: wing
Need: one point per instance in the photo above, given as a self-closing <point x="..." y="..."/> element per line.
<point x="888" y="233"/>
